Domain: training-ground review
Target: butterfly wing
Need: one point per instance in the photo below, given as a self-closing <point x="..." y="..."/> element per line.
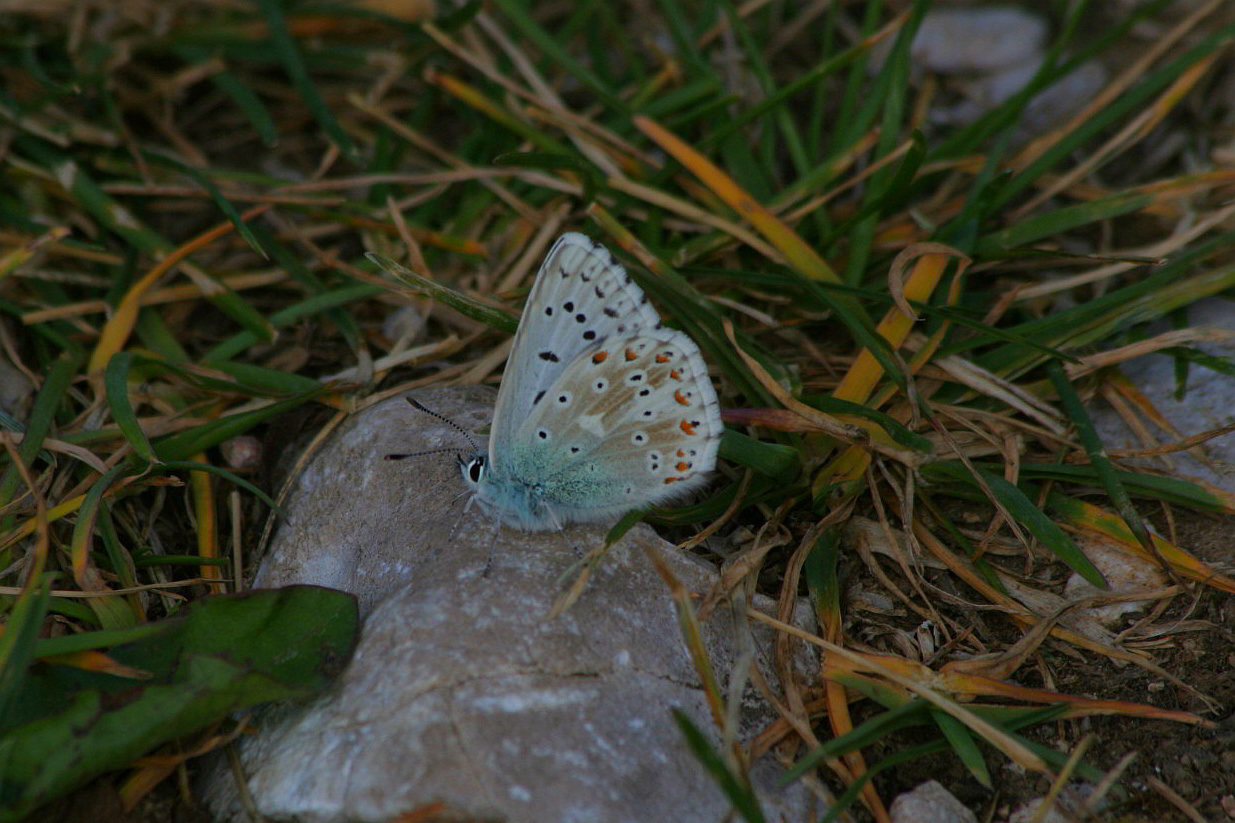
<point x="581" y="297"/>
<point x="631" y="421"/>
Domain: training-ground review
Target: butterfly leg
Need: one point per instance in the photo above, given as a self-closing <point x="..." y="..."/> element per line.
<point x="497" y="527"/>
<point x="450" y="538"/>
<point x="578" y="552"/>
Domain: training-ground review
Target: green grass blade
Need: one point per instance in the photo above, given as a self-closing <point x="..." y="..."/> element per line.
<point x="202" y="179"/>
<point x="735" y="788"/>
<point x="517" y="13"/>
<point x="293" y="63"/>
<point x="1055" y="223"/>
<point x="1133" y="101"/>
<point x="116" y="385"/>
<point x="500" y="320"/>
<point x="771" y="459"/>
<point x="42" y="419"/>
<point x="1088" y="435"/>
<point x="192" y="465"/>
<point x="1025" y="512"/>
<point x="18" y="648"/>
<point x="963" y="744"/>
<point x="183" y="445"/>
<point x="306" y="308"/>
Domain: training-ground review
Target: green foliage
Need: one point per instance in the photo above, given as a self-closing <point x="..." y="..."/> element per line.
<point x="64" y="725"/>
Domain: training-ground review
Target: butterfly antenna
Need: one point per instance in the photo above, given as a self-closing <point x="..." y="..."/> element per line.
<point x="466" y="434"/>
<point x="428" y="451"/>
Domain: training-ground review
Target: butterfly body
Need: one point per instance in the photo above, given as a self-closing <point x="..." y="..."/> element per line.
<point x="602" y="409"/>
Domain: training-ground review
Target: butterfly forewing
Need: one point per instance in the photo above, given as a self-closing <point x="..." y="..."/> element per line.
<point x="582" y="297"/>
<point x="631" y="421"/>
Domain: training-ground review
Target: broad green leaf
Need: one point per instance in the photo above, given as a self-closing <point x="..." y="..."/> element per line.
<point x="227" y="653"/>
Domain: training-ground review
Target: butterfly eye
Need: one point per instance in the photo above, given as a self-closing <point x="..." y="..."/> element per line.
<point x="476" y="469"/>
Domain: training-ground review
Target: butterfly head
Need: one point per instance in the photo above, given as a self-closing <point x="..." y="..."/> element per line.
<point x="505" y="498"/>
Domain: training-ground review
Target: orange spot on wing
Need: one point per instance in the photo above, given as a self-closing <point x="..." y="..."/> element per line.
<point x="669" y="480"/>
<point x="600" y="357"/>
<point x="683" y="466"/>
<point x="631" y="354"/>
<point x="676" y="374"/>
<point x="662" y="358"/>
<point x="688" y="427"/>
<point x="681" y="398"/>
<point x="681" y="452"/>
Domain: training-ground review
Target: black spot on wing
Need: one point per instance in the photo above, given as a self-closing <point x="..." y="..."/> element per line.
<point x="550" y="356"/>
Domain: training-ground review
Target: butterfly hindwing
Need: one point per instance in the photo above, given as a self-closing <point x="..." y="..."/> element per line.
<point x="629" y="422"/>
<point x="581" y="298"/>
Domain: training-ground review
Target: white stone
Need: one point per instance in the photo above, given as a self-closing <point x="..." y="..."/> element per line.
<point x="1208" y="404"/>
<point x="930" y="803"/>
<point x="463" y="689"/>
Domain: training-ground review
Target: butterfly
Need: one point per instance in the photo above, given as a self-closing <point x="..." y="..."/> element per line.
<point x="602" y="409"/>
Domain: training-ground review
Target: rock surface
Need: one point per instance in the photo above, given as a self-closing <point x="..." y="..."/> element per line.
<point x="463" y="690"/>
<point x="988" y="54"/>
<point x="930" y="803"/>
<point x="1208" y="403"/>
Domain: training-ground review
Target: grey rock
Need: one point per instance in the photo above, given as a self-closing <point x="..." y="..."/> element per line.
<point x="979" y="39"/>
<point x="1069" y="807"/>
<point x="930" y="803"/>
<point x="1209" y="402"/>
<point x="16" y="390"/>
<point x="989" y="54"/>
<point x="463" y="689"/>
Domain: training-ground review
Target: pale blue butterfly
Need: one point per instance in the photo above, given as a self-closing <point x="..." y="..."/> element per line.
<point x="601" y="410"/>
